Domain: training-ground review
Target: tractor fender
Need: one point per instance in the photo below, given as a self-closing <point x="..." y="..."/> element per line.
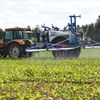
<point x="17" y="41"/>
<point x="1" y="44"/>
<point x="30" y="41"/>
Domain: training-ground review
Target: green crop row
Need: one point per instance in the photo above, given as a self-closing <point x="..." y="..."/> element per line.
<point x="30" y="79"/>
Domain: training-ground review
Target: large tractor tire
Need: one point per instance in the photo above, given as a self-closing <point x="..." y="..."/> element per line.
<point x="64" y="53"/>
<point x="28" y="54"/>
<point x="3" y="55"/>
<point x="15" y="51"/>
<point x="28" y="44"/>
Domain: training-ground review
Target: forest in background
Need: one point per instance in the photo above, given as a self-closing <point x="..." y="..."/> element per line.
<point x="92" y="30"/>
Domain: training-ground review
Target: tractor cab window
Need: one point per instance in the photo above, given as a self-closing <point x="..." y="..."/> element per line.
<point x="17" y="35"/>
<point x="25" y="35"/>
<point x="1" y="35"/>
<point x="9" y="35"/>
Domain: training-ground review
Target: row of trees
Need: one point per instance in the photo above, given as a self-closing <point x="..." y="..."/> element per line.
<point x="92" y="30"/>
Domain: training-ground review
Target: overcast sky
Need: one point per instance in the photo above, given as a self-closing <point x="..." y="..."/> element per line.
<point x="32" y="12"/>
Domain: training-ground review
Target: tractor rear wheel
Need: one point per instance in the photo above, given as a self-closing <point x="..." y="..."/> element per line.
<point x="3" y="55"/>
<point x="64" y="53"/>
<point x="15" y="51"/>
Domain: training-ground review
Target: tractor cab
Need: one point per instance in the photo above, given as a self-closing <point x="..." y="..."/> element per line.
<point x="16" y="33"/>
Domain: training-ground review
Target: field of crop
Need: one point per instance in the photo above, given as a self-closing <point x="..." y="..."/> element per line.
<point x="53" y="79"/>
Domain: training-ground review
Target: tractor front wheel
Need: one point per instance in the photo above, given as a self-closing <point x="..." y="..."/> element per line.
<point x="15" y="51"/>
<point x="28" y="54"/>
